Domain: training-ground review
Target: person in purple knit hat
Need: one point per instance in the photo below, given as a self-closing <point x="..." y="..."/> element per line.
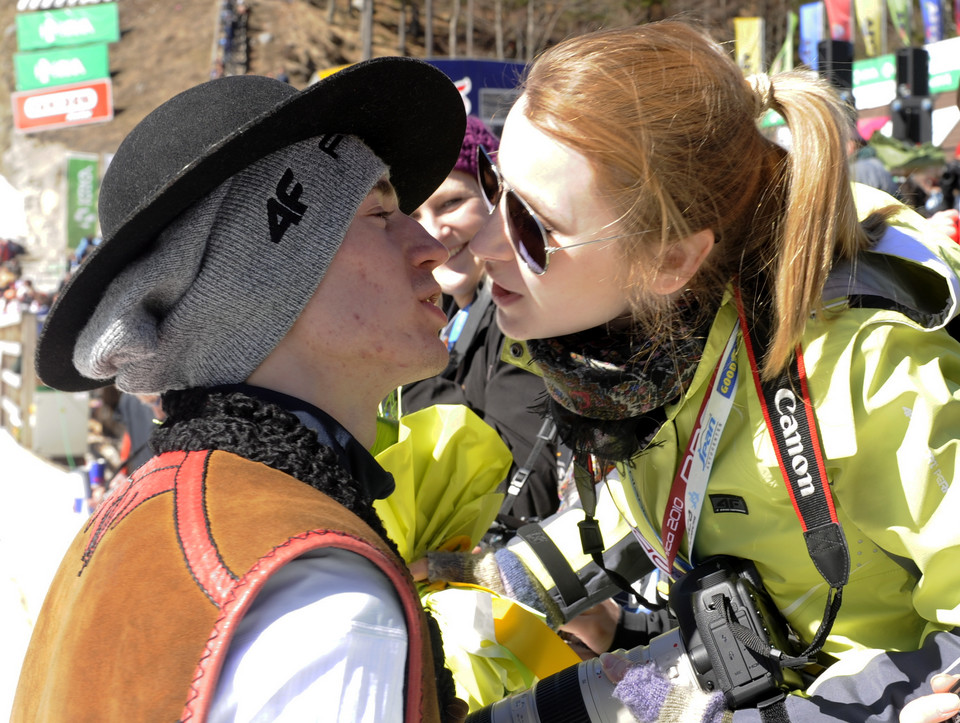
<point x="501" y="394"/>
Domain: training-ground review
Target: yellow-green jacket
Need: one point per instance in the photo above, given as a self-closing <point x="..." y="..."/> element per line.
<point x="885" y="383"/>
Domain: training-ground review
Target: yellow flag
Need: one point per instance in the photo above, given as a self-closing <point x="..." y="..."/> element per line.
<point x="749" y="39"/>
<point x="873" y="26"/>
<point x="784" y="59"/>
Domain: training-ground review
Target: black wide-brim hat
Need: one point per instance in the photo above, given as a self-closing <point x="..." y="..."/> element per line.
<point x="405" y="110"/>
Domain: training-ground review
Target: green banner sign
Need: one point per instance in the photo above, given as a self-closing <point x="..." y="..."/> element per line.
<point x="871" y="71"/>
<point x="45" y="68"/>
<point x="70" y="26"/>
<point x="83" y="185"/>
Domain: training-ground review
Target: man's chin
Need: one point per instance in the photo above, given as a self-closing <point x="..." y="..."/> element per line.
<point x="440" y="365"/>
<point x="431" y="364"/>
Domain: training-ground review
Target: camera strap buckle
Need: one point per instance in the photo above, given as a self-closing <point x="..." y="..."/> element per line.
<point x="590" y="536"/>
<point x="587" y="473"/>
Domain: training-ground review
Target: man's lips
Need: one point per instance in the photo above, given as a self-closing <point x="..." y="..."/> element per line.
<point x="432" y="301"/>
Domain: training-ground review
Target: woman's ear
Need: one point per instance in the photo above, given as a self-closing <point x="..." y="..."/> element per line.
<point x="682" y="261"/>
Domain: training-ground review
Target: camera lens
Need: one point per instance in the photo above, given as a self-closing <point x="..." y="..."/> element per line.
<point x="554" y="699"/>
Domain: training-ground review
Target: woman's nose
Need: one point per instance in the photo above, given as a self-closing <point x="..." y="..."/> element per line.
<point x="492" y="242"/>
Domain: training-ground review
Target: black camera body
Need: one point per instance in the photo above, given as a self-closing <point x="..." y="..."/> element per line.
<point x="706" y="600"/>
<point x="728" y="638"/>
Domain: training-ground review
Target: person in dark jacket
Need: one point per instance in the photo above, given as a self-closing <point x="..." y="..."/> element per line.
<point x="502" y="394"/>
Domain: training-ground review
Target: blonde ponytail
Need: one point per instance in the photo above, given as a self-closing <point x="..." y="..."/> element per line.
<point x="820" y="221"/>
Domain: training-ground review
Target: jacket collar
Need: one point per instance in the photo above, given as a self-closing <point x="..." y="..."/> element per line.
<point x="353" y="457"/>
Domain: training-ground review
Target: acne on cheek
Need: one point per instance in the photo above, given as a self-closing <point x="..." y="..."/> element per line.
<point x="376" y="351"/>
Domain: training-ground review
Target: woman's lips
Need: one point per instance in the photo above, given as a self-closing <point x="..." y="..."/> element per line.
<point x="502" y="296"/>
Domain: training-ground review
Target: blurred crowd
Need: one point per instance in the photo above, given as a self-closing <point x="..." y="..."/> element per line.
<point x="924" y="178"/>
<point x="231" y="57"/>
<point x="17" y="293"/>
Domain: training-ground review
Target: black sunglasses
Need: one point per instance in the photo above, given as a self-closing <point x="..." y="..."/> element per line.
<point x="526" y="231"/>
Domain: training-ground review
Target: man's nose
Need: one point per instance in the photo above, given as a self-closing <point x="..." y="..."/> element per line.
<point x="425" y="250"/>
<point x="431" y="223"/>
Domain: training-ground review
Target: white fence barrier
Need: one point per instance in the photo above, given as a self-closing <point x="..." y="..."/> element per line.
<point x="48" y="422"/>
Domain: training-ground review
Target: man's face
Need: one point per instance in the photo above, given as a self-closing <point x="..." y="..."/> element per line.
<point x="375" y="313"/>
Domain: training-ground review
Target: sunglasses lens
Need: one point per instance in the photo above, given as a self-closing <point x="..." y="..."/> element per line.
<point x="525" y="230"/>
<point x="527" y="234"/>
<point x="487" y="177"/>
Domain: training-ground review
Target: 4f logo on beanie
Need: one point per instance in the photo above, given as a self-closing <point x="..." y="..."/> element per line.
<point x="285" y="208"/>
<point x="328" y="144"/>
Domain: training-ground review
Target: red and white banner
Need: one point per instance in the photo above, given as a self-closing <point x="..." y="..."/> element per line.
<point x="62" y="106"/>
<point x="840" y="19"/>
<point x="55" y="4"/>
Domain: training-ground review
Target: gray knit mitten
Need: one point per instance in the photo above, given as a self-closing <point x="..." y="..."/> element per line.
<point x="475" y="569"/>
<point x="651" y="698"/>
<point x="500" y="571"/>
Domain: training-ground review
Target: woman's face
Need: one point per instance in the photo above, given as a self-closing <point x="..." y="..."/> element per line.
<point x="581" y="288"/>
<point x="453" y="215"/>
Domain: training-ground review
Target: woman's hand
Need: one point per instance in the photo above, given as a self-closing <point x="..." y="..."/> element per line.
<point x="596" y="626"/>
<point x="935" y="707"/>
<point x="615" y="665"/>
<point x="418" y="569"/>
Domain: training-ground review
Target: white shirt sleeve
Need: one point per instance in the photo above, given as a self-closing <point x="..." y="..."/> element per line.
<point x="324" y="640"/>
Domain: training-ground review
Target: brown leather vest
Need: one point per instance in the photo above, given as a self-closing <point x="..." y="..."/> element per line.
<point x="140" y="614"/>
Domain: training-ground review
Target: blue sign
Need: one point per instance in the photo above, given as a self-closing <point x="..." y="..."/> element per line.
<point x="488" y="87"/>
<point x="811" y="33"/>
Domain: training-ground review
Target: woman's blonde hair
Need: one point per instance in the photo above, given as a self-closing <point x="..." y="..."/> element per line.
<point x="670" y="125"/>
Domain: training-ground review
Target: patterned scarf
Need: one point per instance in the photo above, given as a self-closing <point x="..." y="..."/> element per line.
<point x="608" y="388"/>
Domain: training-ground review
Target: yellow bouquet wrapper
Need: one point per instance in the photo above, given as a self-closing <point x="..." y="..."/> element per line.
<point x="447" y="463"/>
<point x="494" y="646"/>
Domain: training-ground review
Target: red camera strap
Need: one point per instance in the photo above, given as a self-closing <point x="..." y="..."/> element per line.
<point x="789" y="415"/>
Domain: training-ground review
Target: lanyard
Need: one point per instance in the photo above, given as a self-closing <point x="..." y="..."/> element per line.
<point x="659" y="561"/>
<point x="690" y="484"/>
<point x="451" y="332"/>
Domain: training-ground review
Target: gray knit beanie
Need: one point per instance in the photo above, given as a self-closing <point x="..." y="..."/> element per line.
<point x="223" y="283"/>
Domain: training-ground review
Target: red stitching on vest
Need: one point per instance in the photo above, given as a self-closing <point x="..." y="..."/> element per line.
<point x="193" y="530"/>
<point x="154" y="478"/>
<point x="243" y="592"/>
